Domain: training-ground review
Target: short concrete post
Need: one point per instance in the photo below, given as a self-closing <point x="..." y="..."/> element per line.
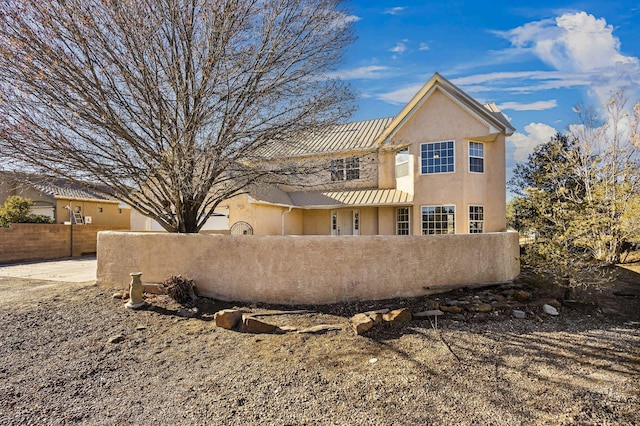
<point x="135" y="292"/>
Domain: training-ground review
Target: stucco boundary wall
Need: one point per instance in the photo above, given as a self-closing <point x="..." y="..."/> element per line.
<point x="309" y="269"/>
<point x="38" y="241"/>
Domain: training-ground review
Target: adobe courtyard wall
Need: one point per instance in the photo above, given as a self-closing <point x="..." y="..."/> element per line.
<point x="309" y="269"/>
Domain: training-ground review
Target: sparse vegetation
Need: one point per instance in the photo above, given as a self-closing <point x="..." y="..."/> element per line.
<point x="17" y="209"/>
<point x="180" y="289"/>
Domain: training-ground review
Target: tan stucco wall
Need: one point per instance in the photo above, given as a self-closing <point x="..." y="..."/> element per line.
<point x="111" y="215"/>
<point x="441" y="119"/>
<point x="386" y="221"/>
<point x="316" y="222"/>
<point x="309" y="269"/>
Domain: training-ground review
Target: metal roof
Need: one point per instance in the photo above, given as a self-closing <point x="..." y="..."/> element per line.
<point x="323" y="199"/>
<point x="355" y="136"/>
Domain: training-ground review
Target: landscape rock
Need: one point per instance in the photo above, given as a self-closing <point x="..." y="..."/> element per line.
<point x="482" y="307"/>
<point x="431" y="305"/>
<point x="317" y="329"/>
<point x="522" y="296"/>
<point x="118" y="338"/>
<point x="429" y="313"/>
<point x="154" y="288"/>
<point x="550" y="310"/>
<point x="361" y="323"/>
<point x="120" y="295"/>
<point x="398" y="315"/>
<point x="187" y="313"/>
<point x="254" y="325"/>
<point x="519" y="314"/>
<point x="451" y="309"/>
<point x="376" y="317"/>
<point x="228" y="318"/>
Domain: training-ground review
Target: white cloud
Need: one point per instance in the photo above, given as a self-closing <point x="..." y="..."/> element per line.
<point x="400" y="47"/>
<point x="536" y="134"/>
<point x="423" y="46"/>
<point x="532" y="106"/>
<point x="579" y="44"/>
<point x="394" y="10"/>
<point x="366" y="72"/>
<point x="401" y="96"/>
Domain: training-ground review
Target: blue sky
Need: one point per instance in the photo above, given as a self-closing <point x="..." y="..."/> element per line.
<point x="536" y="60"/>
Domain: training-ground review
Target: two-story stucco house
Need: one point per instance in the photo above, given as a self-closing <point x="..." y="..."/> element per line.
<point x="438" y="167"/>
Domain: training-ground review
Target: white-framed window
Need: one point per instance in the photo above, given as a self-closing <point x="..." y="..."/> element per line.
<point x="476" y="219"/>
<point x="437" y="157"/>
<point x="438" y="220"/>
<point x="403" y="221"/>
<point x="345" y="169"/>
<point x="476" y="157"/>
<point x="402" y="163"/>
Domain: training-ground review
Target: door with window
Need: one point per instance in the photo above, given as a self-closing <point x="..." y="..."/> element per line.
<point x="345" y="222"/>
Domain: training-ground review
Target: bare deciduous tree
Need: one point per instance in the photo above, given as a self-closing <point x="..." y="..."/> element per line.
<point x="172" y="104"/>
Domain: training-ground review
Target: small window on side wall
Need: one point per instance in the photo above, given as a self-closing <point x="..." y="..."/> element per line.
<point x="476" y="157"/>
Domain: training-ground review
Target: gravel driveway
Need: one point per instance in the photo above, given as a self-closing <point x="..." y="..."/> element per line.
<point x="72" y="354"/>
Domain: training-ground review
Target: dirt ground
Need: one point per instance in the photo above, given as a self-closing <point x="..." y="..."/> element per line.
<point x="72" y="354"/>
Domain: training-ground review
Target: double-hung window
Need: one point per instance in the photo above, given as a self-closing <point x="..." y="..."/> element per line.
<point x="345" y="169"/>
<point x="437" y="157"/>
<point x="438" y="220"/>
<point x="476" y="157"/>
<point x="476" y="219"/>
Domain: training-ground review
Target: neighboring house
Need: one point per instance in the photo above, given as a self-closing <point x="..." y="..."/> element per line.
<point x="64" y="201"/>
<point x="438" y="167"/>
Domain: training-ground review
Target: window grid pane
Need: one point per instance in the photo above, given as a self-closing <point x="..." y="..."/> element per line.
<point x="438" y="220"/>
<point x="437" y="157"/>
<point x="476" y="219"/>
<point x="402" y="221"/>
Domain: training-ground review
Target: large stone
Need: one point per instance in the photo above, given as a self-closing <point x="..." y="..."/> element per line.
<point x="254" y="325"/>
<point x="154" y="288"/>
<point x="451" y="309"/>
<point x="398" y="315"/>
<point x="228" y="318"/>
<point x="361" y="323"/>
<point x="550" y="310"/>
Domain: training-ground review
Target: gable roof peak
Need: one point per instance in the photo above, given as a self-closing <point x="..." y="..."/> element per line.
<point x="493" y="118"/>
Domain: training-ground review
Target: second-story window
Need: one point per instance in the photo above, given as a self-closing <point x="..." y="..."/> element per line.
<point x="402" y="163"/>
<point x="345" y="169"/>
<point x="437" y="157"/>
<point x="476" y="157"/>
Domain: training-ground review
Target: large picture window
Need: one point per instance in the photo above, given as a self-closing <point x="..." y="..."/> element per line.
<point x="476" y="219"/>
<point x="437" y="157"/>
<point x="345" y="169"/>
<point x="438" y="220"/>
<point x="402" y="221"/>
<point x="476" y="157"/>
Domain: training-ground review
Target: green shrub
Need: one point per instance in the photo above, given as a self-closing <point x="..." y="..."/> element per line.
<point x="17" y="210"/>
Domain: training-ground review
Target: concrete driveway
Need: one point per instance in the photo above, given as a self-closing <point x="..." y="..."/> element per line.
<point x="75" y="270"/>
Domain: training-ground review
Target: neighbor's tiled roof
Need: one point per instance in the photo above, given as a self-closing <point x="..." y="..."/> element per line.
<point x="356" y="136"/>
<point x="56" y="187"/>
<point x="319" y="199"/>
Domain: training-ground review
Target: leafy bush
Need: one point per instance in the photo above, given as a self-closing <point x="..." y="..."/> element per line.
<point x="17" y="210"/>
